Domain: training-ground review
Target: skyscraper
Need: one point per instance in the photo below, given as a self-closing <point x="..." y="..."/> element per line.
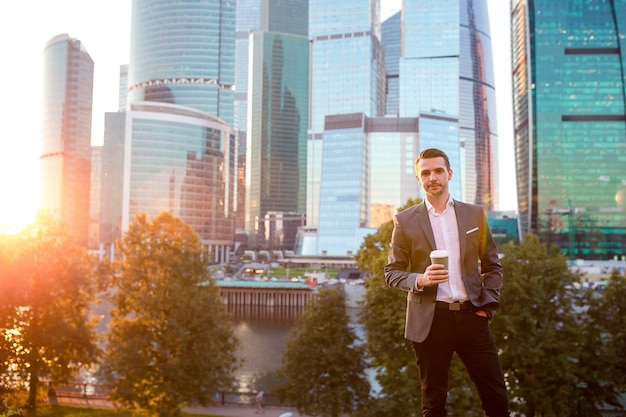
<point x="569" y="97"/>
<point x="174" y="148"/>
<point x="391" y="37"/>
<point x="183" y="53"/>
<point x="368" y="173"/>
<point x="347" y="75"/>
<point x="446" y="69"/>
<point x="278" y="106"/>
<point x="66" y="135"/>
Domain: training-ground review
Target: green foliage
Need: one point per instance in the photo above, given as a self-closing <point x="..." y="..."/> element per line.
<point x="7" y="410"/>
<point x="601" y="370"/>
<point x="170" y="341"/>
<point x="536" y="328"/>
<point x="47" y="289"/>
<point x="383" y="315"/>
<point x="323" y="369"/>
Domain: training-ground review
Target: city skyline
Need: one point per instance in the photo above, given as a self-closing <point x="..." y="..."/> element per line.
<point x="104" y="30"/>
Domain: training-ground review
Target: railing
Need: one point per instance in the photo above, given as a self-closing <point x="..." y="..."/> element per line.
<point x="101" y="392"/>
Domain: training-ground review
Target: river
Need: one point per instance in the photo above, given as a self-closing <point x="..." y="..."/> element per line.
<point x="263" y="333"/>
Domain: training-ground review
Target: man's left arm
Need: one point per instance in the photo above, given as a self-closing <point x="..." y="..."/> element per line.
<point x="490" y="267"/>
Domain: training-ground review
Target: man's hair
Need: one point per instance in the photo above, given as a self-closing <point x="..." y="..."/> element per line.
<point x="432" y="153"/>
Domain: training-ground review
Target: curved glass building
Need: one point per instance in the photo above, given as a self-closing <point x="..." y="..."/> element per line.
<point x="569" y="91"/>
<point x="183" y="161"/>
<point x="183" y="53"/>
<point x="446" y="69"/>
<point x="174" y="147"/>
<point x="66" y="134"/>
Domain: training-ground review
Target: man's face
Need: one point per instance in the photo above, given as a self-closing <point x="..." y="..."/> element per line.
<point x="433" y="175"/>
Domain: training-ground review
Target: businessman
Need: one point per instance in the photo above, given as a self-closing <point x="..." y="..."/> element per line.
<point x="448" y="310"/>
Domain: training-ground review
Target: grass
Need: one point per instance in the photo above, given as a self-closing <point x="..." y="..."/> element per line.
<point x="75" y="411"/>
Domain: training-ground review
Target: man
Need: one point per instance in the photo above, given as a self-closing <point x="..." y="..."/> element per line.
<point x="448" y="310"/>
<point x="259" y="402"/>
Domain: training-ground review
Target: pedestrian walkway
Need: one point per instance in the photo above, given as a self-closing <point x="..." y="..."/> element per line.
<point x="216" y="410"/>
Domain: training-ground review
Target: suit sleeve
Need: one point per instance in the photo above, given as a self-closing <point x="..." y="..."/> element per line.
<point x="490" y="267"/>
<point x="399" y="261"/>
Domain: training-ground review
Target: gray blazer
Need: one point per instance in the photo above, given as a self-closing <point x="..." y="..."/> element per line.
<point x="409" y="254"/>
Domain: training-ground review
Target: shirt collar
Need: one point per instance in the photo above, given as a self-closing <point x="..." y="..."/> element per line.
<point x="431" y="208"/>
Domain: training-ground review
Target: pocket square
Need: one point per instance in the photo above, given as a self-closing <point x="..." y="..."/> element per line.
<point x="471" y="230"/>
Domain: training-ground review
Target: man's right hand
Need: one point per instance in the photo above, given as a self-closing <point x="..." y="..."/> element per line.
<point x="433" y="275"/>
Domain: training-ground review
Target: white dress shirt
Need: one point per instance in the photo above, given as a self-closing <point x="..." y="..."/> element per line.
<point x="446" y="231"/>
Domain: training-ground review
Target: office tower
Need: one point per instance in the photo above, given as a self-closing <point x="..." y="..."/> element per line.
<point x="391" y="38"/>
<point x="368" y="173"/>
<point x="173" y="149"/>
<point x="446" y="69"/>
<point x="347" y="74"/>
<point x="278" y="107"/>
<point x="94" y="197"/>
<point x="183" y="53"/>
<point x="123" y="88"/>
<point x="570" y="124"/>
<point x="279" y="16"/>
<point x="66" y="134"/>
<point x="112" y="180"/>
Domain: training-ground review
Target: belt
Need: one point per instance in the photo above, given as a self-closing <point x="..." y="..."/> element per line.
<point x="457" y="306"/>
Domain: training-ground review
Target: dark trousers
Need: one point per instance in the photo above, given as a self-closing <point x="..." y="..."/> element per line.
<point x="469" y="336"/>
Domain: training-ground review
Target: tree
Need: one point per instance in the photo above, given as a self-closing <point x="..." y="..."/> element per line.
<point x="383" y="315"/>
<point x="46" y="287"/>
<point x="536" y="328"/>
<point x="323" y="366"/>
<point x="171" y="341"/>
<point x="601" y="370"/>
<point x="391" y="355"/>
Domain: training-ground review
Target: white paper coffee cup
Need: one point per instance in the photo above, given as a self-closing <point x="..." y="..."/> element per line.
<point x="439" y="256"/>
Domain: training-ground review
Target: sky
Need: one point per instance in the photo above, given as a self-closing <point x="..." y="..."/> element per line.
<point x="103" y="27"/>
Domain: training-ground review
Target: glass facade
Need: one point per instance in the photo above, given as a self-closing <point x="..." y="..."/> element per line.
<point x="112" y="179"/>
<point x="275" y="16"/>
<point x="392" y="174"/>
<point x="368" y="172"/>
<point x="446" y="69"/>
<point x="570" y="124"/>
<point x="276" y="153"/>
<point x="183" y="161"/>
<point x="347" y="72"/>
<point x="344" y="190"/>
<point x="66" y="134"/>
<point x="183" y="53"/>
<point x="391" y="38"/>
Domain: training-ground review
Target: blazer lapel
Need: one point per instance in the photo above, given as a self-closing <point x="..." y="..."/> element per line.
<point x="459" y="211"/>
<point x="424" y="222"/>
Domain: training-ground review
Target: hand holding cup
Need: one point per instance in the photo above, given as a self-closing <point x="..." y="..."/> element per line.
<point x="437" y="272"/>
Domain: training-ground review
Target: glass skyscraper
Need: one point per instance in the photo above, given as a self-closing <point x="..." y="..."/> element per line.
<point x="391" y="37"/>
<point x="569" y="91"/>
<point x="174" y="148"/>
<point x="278" y="108"/>
<point x="368" y="172"/>
<point x="347" y="74"/>
<point x="446" y="69"/>
<point x="183" y="53"/>
<point x="66" y="134"/>
<point x="272" y="105"/>
<point x="181" y="161"/>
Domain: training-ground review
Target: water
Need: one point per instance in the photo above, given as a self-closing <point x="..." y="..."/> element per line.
<point x="263" y="332"/>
